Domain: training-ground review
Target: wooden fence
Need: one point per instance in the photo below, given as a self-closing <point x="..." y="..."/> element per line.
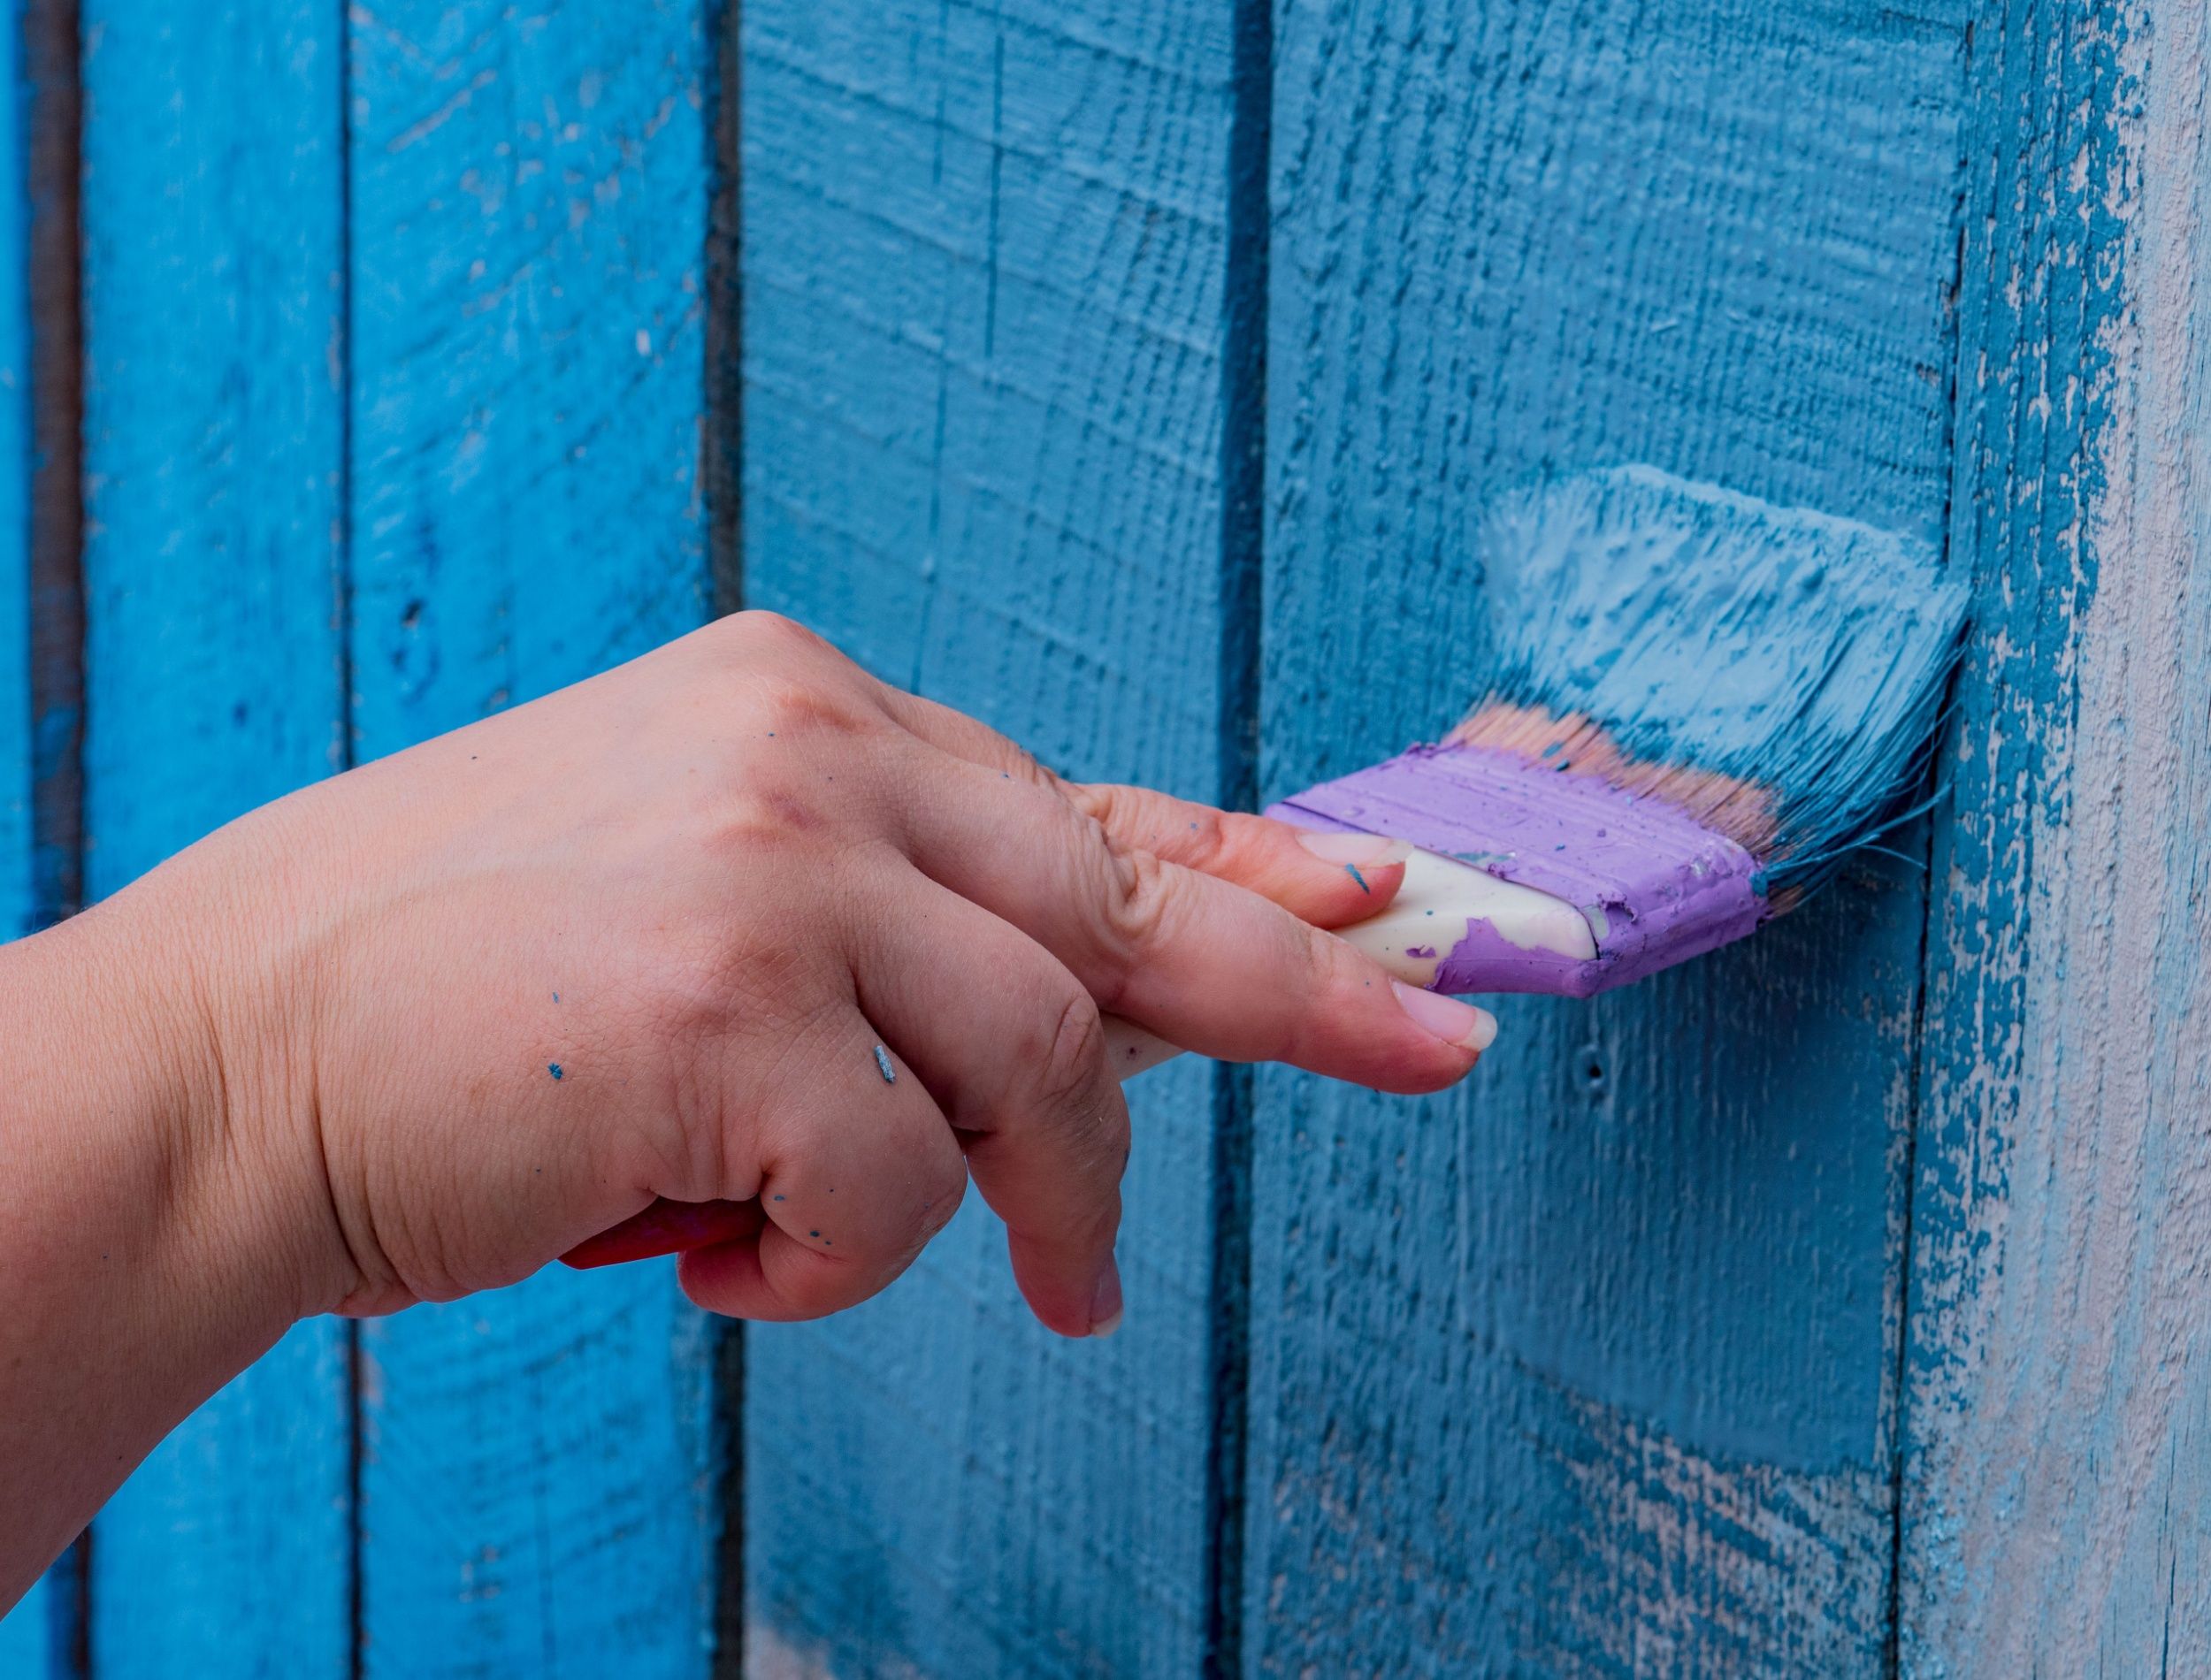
<point x="1130" y="372"/>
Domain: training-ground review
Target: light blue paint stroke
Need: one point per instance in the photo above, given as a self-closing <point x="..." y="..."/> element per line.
<point x="1806" y="654"/>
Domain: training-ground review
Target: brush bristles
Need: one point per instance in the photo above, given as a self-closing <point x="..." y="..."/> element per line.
<point x="1775" y="672"/>
<point x="1575" y="745"/>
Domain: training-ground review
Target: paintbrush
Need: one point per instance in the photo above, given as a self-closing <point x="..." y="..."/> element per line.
<point x="1701" y="705"/>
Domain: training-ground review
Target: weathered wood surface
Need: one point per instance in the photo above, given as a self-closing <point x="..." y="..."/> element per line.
<point x="987" y="294"/>
<point x="1588" y="1368"/>
<point x="17" y="881"/>
<point x="2059" y="1368"/>
<point x="1610" y="1364"/>
<point x="213" y="446"/>
<point x="528" y="191"/>
<point x="25" y="1645"/>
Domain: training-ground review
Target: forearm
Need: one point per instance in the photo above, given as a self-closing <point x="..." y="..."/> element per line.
<point x="137" y="1276"/>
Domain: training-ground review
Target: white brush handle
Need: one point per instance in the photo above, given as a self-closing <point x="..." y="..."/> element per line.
<point x="1439" y="903"/>
<point x="1441" y="900"/>
<point x="1131" y="1050"/>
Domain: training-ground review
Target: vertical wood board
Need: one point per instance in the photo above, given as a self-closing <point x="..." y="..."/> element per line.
<point x="213" y="320"/>
<point x="24" y="1646"/>
<point x="528" y="192"/>
<point x="2058" y="1405"/>
<point x="1588" y="1368"/>
<point x="18" y="883"/>
<point x="986" y="257"/>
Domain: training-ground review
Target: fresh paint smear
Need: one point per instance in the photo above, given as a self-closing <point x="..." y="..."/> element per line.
<point x="1749" y="692"/>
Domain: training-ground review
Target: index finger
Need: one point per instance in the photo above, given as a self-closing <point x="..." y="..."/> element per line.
<point x="1205" y="964"/>
<point x="1330" y="881"/>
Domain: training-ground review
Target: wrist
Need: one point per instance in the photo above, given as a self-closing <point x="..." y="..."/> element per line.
<point x="146" y="1262"/>
<point x="234" y="920"/>
<point x="165" y="1091"/>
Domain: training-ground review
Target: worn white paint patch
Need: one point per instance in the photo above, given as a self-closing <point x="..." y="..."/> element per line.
<point x="1698" y="1565"/>
<point x="769" y="1655"/>
<point x="1438" y="905"/>
<point x="2062" y="1370"/>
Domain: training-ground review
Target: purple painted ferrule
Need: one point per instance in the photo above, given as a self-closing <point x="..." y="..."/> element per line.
<point x="1655" y="886"/>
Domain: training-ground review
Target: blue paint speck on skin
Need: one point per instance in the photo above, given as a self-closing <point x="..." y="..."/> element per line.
<point x="556" y="997"/>
<point x="883" y="1067"/>
<point x="778" y="1198"/>
<point x="1352" y="869"/>
<point x="554" y="1068"/>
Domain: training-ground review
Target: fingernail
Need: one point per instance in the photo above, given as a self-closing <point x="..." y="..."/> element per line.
<point x="1105" y="1307"/>
<point x="1365" y="851"/>
<point x="1451" y="1020"/>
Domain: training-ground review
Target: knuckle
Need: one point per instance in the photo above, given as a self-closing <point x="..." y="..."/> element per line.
<point x="768" y="672"/>
<point x="1073" y="1061"/>
<point x="801" y="704"/>
<point x="1099" y="804"/>
<point x="1024" y="766"/>
<point x="1139" y="900"/>
<point x="1315" y="968"/>
<point x="1205" y="840"/>
<point x="1076" y="1096"/>
<point x="756" y="632"/>
<point x="943" y="1187"/>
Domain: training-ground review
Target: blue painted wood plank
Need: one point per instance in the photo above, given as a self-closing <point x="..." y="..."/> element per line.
<point x="1588" y="1368"/>
<point x="213" y="321"/>
<point x="529" y="190"/>
<point x="18" y="882"/>
<point x="2059" y="1368"/>
<point x="985" y="291"/>
<point x="25" y="1646"/>
<point x="43" y="1637"/>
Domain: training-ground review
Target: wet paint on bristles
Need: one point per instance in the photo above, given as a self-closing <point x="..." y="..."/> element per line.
<point x="1701" y="705"/>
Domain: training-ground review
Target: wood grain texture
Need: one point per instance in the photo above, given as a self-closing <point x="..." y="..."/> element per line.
<point x="18" y="879"/>
<point x="50" y="124"/>
<point x="212" y="449"/>
<point x="26" y="1649"/>
<point x="2059" y="1398"/>
<point x="26" y="1644"/>
<point x="1588" y="1368"/>
<point x="986" y="298"/>
<point x="529" y="194"/>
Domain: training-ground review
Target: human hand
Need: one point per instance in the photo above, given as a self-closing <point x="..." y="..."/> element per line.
<point x="736" y="922"/>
